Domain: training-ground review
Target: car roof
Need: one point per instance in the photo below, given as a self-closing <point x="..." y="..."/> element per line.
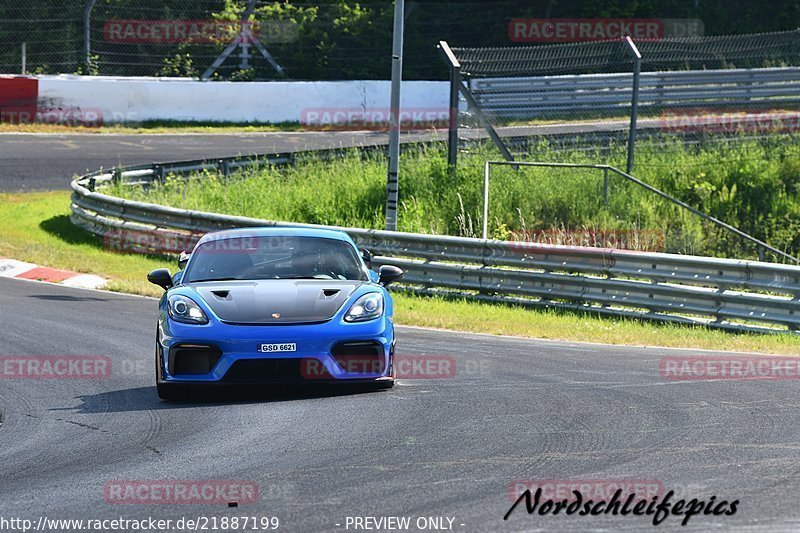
<point x="275" y="232"/>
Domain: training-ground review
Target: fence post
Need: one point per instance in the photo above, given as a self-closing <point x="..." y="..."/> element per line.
<point x="605" y="186"/>
<point x="87" y="21"/>
<point x="637" y="68"/>
<point x="24" y="58"/>
<point x="455" y="80"/>
<point x="452" y="135"/>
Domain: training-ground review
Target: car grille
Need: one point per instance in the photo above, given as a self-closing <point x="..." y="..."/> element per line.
<point x="263" y="370"/>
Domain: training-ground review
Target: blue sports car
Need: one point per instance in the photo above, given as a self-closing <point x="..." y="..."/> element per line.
<point x="274" y="306"/>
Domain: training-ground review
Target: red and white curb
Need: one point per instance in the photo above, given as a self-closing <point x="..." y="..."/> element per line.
<point x="10" y="268"/>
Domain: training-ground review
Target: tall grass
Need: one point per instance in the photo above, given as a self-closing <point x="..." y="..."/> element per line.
<point x="752" y="185"/>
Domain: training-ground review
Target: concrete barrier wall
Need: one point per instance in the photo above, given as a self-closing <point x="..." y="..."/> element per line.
<point x="118" y="100"/>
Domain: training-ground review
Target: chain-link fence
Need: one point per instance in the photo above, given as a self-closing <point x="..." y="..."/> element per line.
<point x="716" y="127"/>
<point x="49" y="36"/>
<point x="696" y="89"/>
<point x="333" y="39"/>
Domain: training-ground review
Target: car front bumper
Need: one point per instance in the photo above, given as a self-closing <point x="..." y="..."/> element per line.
<point x="330" y="352"/>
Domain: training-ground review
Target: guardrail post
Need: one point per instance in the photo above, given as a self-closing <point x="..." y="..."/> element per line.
<point x="223" y="168"/>
<point x="485" y="200"/>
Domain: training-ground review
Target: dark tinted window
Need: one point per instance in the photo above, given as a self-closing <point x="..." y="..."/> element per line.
<point x="274" y="258"/>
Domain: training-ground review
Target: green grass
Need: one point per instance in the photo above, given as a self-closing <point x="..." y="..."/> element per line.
<point x="750" y="185"/>
<point x="37" y="229"/>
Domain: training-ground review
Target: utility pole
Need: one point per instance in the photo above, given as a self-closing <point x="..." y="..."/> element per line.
<point x="392" y="182"/>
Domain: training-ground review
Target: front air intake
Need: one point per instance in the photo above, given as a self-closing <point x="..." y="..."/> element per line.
<point x="364" y="357"/>
<point x="193" y="359"/>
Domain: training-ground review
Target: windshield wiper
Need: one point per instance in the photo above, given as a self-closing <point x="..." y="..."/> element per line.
<point x="214" y="279"/>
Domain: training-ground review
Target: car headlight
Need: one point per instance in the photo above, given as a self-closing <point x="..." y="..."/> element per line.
<point x="186" y="310"/>
<point x="367" y="307"/>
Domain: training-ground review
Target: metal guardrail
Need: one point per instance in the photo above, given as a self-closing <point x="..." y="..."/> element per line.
<point x="721" y="293"/>
<point x="528" y="97"/>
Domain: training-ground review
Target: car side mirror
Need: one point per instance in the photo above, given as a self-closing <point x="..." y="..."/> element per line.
<point x="389" y="274"/>
<point x="366" y="255"/>
<point x="160" y="277"/>
<point x="183" y="259"/>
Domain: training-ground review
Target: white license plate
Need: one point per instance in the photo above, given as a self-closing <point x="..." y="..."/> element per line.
<point x="282" y="347"/>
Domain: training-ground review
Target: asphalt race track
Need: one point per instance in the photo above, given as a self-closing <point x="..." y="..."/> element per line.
<point x="452" y="446"/>
<point x="50" y="161"/>
<point x="514" y="410"/>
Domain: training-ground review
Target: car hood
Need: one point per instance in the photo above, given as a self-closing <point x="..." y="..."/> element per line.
<point x="280" y="301"/>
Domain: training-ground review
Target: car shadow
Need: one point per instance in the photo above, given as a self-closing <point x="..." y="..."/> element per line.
<point x="146" y="399"/>
<point x="62" y="228"/>
<point x="66" y="298"/>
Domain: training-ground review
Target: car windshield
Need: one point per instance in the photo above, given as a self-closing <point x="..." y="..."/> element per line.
<point x="248" y="258"/>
